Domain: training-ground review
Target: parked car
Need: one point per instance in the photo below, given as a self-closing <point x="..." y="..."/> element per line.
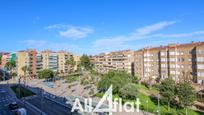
<point x="13" y="106"/>
<point x="21" y="111"/>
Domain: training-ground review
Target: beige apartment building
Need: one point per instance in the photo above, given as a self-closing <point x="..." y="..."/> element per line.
<point x="178" y="61"/>
<point x="62" y="58"/>
<point x="26" y="58"/>
<point x="77" y="60"/>
<point x="37" y="61"/>
<point x="50" y="60"/>
<point x="118" y="60"/>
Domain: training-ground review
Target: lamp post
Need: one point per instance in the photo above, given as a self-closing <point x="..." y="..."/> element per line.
<point x="158" y="106"/>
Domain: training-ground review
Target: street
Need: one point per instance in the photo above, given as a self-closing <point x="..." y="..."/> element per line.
<point x="7" y="97"/>
<point x="50" y="107"/>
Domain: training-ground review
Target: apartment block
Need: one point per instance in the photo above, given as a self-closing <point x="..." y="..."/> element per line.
<point x="26" y="58"/>
<point x="63" y="56"/>
<point x="178" y="61"/>
<point x="49" y="60"/>
<point x="39" y="62"/>
<point x="5" y="57"/>
<point x="118" y="60"/>
<point x="77" y="60"/>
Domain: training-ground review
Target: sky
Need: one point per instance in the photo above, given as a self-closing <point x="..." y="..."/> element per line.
<point x="95" y="26"/>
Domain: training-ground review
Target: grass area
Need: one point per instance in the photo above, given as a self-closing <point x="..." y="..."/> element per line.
<point x="150" y="105"/>
<point x="71" y="78"/>
<point x="21" y="91"/>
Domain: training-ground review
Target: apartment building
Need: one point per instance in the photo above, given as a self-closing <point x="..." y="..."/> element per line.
<point x="178" y="61"/>
<point x="39" y="62"/>
<point x="5" y="57"/>
<point x="77" y="60"/>
<point x="62" y="58"/>
<point x="118" y="60"/>
<point x="26" y="58"/>
<point x="49" y="60"/>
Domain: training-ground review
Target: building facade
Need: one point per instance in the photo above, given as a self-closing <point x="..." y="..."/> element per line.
<point x="5" y="57"/>
<point x="26" y="58"/>
<point x="50" y="60"/>
<point x="118" y="60"/>
<point x="178" y="61"/>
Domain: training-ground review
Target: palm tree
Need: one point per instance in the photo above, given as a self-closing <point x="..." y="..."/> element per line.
<point x="25" y="69"/>
<point x="10" y="65"/>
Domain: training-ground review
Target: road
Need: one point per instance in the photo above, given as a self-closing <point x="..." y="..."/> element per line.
<point x="50" y="107"/>
<point x="6" y="97"/>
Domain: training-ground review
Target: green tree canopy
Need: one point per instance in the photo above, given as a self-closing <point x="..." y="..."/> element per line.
<point x="167" y="91"/>
<point x="118" y="79"/>
<point x="46" y="74"/>
<point x="186" y="94"/>
<point x="129" y="91"/>
<point x="85" y="62"/>
<point x="70" y="62"/>
<point x="10" y="65"/>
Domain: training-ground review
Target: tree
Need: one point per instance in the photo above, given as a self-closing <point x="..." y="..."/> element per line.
<point x="71" y="63"/>
<point x="46" y="74"/>
<point x="186" y="94"/>
<point x="118" y="79"/>
<point x="13" y="74"/>
<point x="129" y="91"/>
<point x="134" y="79"/>
<point x="167" y="91"/>
<point x="85" y="62"/>
<point x="10" y="65"/>
<point x="25" y="70"/>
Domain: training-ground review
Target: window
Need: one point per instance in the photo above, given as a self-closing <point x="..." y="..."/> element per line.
<point x="172" y="66"/>
<point x="163" y="53"/>
<point x="172" y="72"/>
<point x="200" y="51"/>
<point x="171" y="53"/>
<point x="163" y="65"/>
<point x="199" y="66"/>
<point x="200" y="74"/>
<point x="163" y="59"/>
<point x="200" y="59"/>
<point x="172" y="59"/>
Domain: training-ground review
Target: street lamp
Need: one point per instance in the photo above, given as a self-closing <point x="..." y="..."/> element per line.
<point x="158" y="107"/>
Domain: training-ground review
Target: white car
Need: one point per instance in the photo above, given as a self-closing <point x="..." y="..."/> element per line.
<point x="21" y="111"/>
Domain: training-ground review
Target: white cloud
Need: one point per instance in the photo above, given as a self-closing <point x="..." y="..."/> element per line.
<point x="36" y="43"/>
<point x="124" y="41"/>
<point x="141" y="33"/>
<point x="152" y="28"/>
<point x="76" y="32"/>
<point x="73" y="32"/>
<point x="57" y="26"/>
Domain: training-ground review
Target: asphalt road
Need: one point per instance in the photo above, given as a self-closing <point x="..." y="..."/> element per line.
<point x="50" y="107"/>
<point x="6" y="98"/>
